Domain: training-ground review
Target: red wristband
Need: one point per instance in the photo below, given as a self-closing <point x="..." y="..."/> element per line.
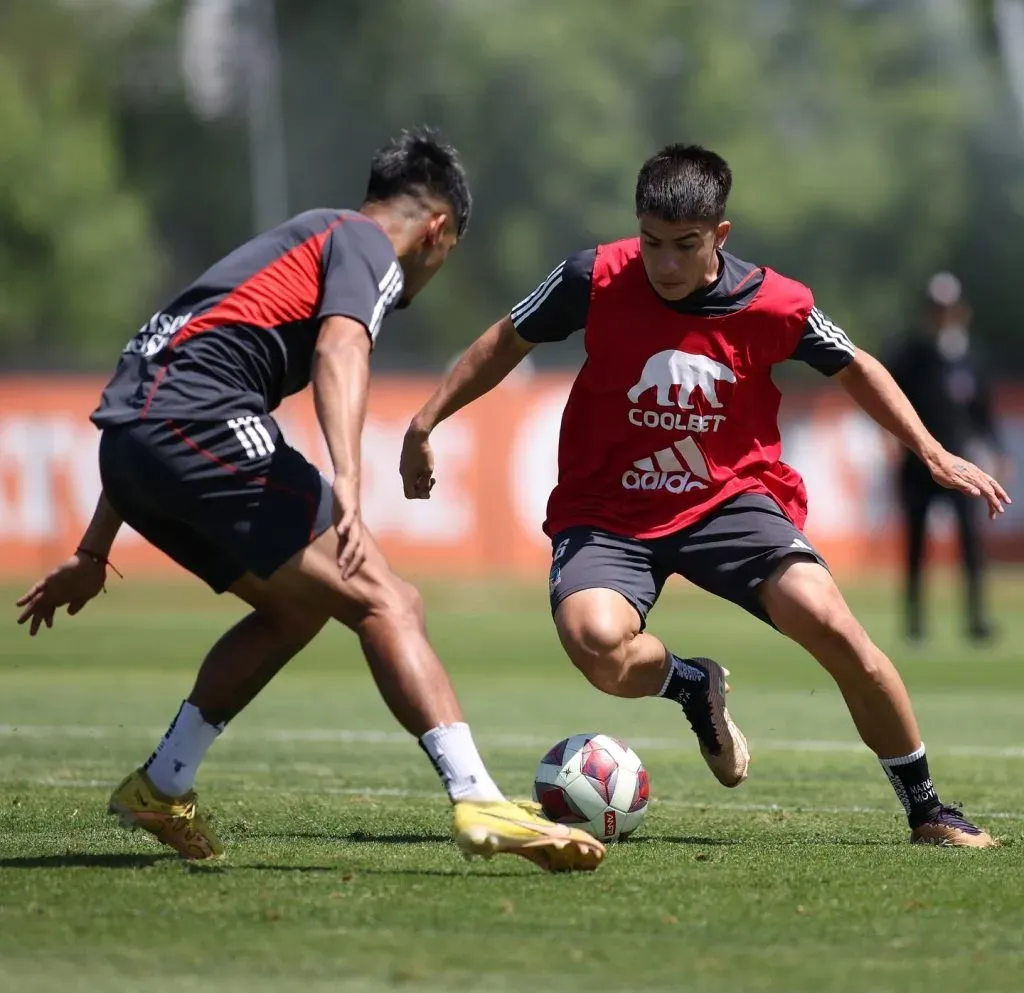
<point x="96" y="557"/>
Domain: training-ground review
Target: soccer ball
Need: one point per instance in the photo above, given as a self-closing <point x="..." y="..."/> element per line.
<point x="594" y="782"/>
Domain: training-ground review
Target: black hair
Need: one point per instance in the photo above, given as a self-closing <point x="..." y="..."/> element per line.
<point x="419" y="163"/>
<point x="684" y="183"/>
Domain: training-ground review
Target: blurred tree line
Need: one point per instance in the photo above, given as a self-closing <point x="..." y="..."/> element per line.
<point x="872" y="141"/>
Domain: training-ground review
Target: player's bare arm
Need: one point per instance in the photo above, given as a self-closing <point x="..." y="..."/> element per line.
<point x="871" y="386"/>
<point x="79" y="578"/>
<point x="340" y="378"/>
<point x="478" y="371"/>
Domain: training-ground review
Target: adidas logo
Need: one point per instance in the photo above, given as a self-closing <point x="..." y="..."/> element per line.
<point x="673" y="469"/>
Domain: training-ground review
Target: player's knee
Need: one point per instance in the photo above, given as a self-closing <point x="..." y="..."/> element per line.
<point x="597" y="644"/>
<point x="831" y="623"/>
<point x="840" y="643"/>
<point x="414" y="602"/>
<point x="595" y="635"/>
<point x="396" y="602"/>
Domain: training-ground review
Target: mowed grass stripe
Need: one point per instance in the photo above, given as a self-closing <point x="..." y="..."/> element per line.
<point x="353" y="736"/>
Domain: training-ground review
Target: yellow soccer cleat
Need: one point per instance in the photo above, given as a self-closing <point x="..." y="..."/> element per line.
<point x="530" y="805"/>
<point x="175" y="821"/>
<point x="487" y="829"/>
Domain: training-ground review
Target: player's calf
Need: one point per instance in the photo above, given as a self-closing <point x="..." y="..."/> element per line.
<point x="804" y="603"/>
<point x="388" y="616"/>
<point x="248" y="656"/>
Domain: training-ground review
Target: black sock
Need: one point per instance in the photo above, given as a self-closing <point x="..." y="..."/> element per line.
<point x="913" y="785"/>
<point x="683" y="679"/>
<point x="687" y="684"/>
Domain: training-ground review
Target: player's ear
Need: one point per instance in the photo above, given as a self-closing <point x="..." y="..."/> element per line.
<point x="721" y="233"/>
<point x="435" y="228"/>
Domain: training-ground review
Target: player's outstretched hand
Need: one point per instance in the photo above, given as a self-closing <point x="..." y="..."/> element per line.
<point x="958" y="474"/>
<point x="417" y="465"/>
<point x="74" y="582"/>
<point x="351" y="549"/>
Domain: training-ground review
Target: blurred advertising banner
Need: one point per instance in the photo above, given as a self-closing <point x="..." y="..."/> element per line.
<point x="495" y="468"/>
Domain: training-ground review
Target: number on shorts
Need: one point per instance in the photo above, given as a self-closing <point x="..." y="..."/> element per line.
<point x="254" y="437"/>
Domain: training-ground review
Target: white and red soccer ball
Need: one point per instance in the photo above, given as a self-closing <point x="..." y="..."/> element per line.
<point x="594" y="782"/>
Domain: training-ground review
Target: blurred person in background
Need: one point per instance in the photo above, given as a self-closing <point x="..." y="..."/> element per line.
<point x="938" y="368"/>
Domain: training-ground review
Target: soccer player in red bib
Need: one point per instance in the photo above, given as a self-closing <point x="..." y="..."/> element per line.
<point x="670" y="462"/>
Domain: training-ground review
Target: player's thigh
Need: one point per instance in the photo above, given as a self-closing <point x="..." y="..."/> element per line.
<point x="312" y="578"/>
<point x="601" y="587"/>
<point x="275" y="512"/>
<point x="803" y="601"/>
<point x="737" y="549"/>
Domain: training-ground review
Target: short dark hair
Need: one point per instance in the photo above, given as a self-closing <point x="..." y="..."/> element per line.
<point x="684" y="183"/>
<point x="418" y="162"/>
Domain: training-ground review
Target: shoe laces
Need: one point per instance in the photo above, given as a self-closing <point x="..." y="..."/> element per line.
<point x="953" y="816"/>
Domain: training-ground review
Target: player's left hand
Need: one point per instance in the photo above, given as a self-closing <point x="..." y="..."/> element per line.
<point x="351" y="546"/>
<point x="955" y="473"/>
<point x="74" y="582"/>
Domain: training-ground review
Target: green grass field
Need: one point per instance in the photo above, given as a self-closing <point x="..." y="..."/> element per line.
<point x="341" y="874"/>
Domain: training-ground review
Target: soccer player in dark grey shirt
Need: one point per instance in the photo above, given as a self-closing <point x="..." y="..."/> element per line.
<point x="192" y="458"/>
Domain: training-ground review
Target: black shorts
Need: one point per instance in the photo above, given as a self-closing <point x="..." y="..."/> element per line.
<point x="221" y="498"/>
<point x="729" y="553"/>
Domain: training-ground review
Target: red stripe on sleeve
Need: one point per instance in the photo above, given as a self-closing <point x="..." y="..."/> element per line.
<point x="286" y="290"/>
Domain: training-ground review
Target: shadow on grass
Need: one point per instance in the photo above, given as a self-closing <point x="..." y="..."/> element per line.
<point x="355" y="837"/>
<point x="347" y="873"/>
<point x="87" y="860"/>
<point x="344" y="873"/>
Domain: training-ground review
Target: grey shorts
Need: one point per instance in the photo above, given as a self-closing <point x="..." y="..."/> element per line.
<point x="729" y="553"/>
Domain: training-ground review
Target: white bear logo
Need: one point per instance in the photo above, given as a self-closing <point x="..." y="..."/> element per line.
<point x="689" y="372"/>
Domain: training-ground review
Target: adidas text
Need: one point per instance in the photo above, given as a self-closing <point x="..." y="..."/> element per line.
<point x="674" y="482"/>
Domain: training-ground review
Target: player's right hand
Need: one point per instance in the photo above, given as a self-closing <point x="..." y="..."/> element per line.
<point x="74" y="582"/>
<point x="954" y="473"/>
<point x="417" y="465"/>
<point x="351" y="549"/>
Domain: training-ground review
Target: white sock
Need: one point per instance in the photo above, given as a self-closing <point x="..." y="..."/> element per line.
<point x="173" y="766"/>
<point x="458" y="763"/>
